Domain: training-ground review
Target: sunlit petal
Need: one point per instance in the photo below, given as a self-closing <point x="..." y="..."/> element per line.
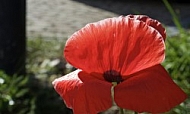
<point x="67" y="86"/>
<point x="122" y="44"/>
<point x="150" y="90"/>
<point x="151" y="22"/>
<point x="86" y="95"/>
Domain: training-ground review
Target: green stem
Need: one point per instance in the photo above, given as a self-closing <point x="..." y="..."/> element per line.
<point x="174" y="16"/>
<point x="112" y="91"/>
<point x="121" y="110"/>
<point x="112" y="94"/>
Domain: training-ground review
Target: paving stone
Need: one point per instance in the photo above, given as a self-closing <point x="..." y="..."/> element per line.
<point x="61" y="18"/>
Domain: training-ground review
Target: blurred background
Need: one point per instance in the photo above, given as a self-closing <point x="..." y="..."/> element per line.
<point x="61" y="18"/>
<point x="33" y="34"/>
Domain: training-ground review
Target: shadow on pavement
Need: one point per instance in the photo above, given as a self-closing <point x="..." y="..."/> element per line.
<point x="153" y="8"/>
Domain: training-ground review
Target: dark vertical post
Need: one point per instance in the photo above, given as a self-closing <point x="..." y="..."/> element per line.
<point x="12" y="36"/>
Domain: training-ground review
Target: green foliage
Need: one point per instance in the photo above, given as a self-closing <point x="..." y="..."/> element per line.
<point x="177" y="63"/>
<point x="175" y="18"/>
<point x="13" y="91"/>
<point x="42" y="49"/>
<point x="178" y="60"/>
<point x="34" y="93"/>
<point x="43" y="56"/>
<point x="45" y="63"/>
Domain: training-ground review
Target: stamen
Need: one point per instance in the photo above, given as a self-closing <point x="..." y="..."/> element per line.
<point x="112" y="76"/>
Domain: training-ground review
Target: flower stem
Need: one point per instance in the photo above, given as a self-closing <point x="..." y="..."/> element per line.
<point x="112" y="91"/>
<point x="121" y="110"/>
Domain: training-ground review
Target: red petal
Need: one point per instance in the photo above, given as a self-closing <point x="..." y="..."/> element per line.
<point x="151" y="22"/>
<point x="67" y="86"/>
<point x="88" y="97"/>
<point x="150" y="90"/>
<point x="122" y="44"/>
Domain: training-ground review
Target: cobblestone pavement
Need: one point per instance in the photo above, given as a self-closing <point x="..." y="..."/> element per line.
<point x="61" y="18"/>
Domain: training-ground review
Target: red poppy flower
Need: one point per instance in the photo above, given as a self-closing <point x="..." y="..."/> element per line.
<point x="127" y="50"/>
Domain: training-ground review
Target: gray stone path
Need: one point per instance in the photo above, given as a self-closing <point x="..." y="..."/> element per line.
<point x="61" y="18"/>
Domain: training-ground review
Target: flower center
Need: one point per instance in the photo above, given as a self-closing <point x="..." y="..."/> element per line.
<point x="112" y="76"/>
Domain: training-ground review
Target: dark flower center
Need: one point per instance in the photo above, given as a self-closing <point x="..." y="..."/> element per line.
<point x="112" y="76"/>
